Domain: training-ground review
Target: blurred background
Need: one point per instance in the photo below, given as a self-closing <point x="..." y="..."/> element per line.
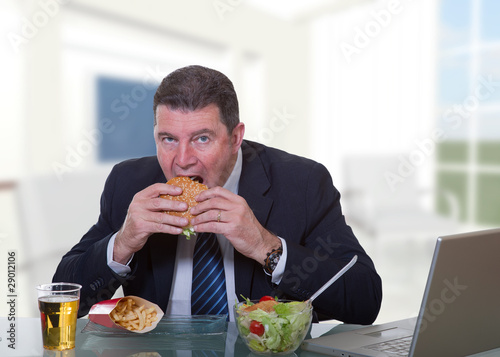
<point x="399" y="99"/>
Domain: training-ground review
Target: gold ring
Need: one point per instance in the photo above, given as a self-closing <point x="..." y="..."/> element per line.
<point x="218" y="216"/>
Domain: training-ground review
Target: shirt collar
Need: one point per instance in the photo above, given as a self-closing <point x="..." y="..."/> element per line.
<point x="233" y="181"/>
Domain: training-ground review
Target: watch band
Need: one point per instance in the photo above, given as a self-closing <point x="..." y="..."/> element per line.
<point x="272" y="259"/>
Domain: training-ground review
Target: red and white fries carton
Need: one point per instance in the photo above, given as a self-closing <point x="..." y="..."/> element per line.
<point x="100" y="313"/>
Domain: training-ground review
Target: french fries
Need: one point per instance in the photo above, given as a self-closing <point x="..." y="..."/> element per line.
<point x="132" y="317"/>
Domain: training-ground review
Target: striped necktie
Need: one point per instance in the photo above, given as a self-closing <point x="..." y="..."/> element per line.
<point x="208" y="292"/>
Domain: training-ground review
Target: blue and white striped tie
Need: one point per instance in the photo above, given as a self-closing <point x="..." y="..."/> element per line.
<point x="208" y="292"/>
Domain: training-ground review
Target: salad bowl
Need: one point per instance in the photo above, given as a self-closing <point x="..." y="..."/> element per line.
<point x="273" y="327"/>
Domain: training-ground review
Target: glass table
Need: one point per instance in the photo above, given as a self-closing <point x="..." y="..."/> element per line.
<point x="27" y="341"/>
<point x="91" y="342"/>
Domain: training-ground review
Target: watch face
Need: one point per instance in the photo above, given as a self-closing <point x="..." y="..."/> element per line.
<point x="275" y="260"/>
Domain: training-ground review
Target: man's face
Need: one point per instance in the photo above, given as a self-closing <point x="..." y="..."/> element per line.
<point x="196" y="144"/>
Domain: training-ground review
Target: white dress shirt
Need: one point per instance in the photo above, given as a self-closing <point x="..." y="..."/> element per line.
<point x="180" y="293"/>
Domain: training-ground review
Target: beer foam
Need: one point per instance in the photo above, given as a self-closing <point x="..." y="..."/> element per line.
<point x="58" y="298"/>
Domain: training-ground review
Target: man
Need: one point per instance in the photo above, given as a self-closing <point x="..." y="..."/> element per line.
<point x="277" y="216"/>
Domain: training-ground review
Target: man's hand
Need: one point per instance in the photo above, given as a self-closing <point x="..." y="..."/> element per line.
<point x="221" y="211"/>
<point x="146" y="216"/>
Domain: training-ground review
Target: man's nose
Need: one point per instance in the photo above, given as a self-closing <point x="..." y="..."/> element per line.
<point x="185" y="156"/>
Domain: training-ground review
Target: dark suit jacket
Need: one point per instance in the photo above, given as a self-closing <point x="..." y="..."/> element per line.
<point x="291" y="196"/>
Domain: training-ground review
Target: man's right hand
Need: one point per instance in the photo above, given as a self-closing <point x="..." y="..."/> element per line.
<point x="146" y="216"/>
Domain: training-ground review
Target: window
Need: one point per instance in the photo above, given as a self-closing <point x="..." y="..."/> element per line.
<point x="468" y="160"/>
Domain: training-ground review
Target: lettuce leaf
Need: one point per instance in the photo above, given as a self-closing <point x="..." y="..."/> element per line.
<point x="189" y="232"/>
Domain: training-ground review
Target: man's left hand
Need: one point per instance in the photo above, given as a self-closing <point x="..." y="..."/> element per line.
<point x="221" y="211"/>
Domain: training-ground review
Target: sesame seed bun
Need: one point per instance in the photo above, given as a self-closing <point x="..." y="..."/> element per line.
<point x="190" y="189"/>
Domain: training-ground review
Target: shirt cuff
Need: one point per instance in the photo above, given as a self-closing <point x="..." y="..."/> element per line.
<point x="280" y="267"/>
<point x="118" y="268"/>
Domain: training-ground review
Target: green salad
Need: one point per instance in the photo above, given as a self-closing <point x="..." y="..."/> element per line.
<point x="273" y="327"/>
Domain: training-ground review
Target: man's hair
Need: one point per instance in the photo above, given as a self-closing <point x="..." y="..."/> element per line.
<point x="195" y="87"/>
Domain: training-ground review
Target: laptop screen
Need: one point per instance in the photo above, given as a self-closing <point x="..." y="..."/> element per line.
<point x="460" y="311"/>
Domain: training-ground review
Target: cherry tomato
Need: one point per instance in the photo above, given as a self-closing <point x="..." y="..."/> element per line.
<point x="257" y="328"/>
<point x="265" y="298"/>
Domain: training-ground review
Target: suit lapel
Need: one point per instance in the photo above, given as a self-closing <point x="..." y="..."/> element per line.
<point x="254" y="183"/>
<point x="253" y="186"/>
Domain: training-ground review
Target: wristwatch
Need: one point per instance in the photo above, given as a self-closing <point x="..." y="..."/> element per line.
<point x="272" y="259"/>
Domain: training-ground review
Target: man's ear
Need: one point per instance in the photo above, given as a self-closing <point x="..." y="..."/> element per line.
<point x="237" y="136"/>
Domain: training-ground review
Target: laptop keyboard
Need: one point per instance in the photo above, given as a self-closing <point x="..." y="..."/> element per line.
<point x="397" y="347"/>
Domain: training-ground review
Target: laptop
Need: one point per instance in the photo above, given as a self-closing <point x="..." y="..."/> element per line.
<point x="459" y="313"/>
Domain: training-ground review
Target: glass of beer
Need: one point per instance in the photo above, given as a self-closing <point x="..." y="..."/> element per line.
<point x="58" y="304"/>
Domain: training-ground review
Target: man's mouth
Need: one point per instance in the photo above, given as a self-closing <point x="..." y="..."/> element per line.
<point x="196" y="178"/>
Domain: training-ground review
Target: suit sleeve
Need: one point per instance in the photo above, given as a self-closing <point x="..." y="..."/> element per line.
<point x="86" y="262"/>
<point x="328" y="244"/>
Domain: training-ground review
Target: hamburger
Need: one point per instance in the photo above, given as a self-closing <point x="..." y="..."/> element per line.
<point x="190" y="189"/>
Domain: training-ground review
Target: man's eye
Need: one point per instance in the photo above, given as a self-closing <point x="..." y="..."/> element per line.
<point x="168" y="139"/>
<point x="203" y="139"/>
